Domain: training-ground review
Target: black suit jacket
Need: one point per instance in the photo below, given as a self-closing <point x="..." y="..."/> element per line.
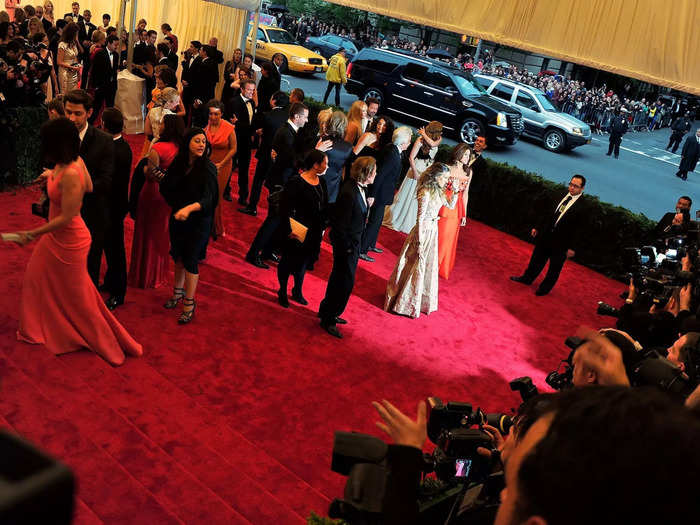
<point x="266" y="88"/>
<point x="338" y="158"/>
<point x="97" y="151"/>
<point x="388" y="172"/>
<point x="348" y="218"/>
<point x="103" y="74"/>
<point x="78" y="21"/>
<point x="244" y="125"/>
<point x="119" y="199"/>
<point x="665" y="227"/>
<point x="690" y="154"/>
<point x="284" y="166"/>
<point x="172" y="61"/>
<point x="269" y="122"/>
<point x="564" y="234"/>
<point x="203" y="77"/>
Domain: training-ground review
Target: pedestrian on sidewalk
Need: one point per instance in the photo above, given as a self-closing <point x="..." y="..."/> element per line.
<point x="679" y="128"/>
<point x="618" y="127"/>
<point x="336" y="75"/>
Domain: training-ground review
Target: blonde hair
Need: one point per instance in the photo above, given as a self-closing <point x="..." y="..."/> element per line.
<point x="35" y="21"/>
<point x="323" y="117"/>
<point x="429" y="179"/>
<point x="167" y="95"/>
<point x="337" y="125"/>
<point x="355" y="113"/>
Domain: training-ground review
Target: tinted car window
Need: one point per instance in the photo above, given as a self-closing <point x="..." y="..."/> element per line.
<point x="525" y="100"/>
<point x="261" y="35"/>
<point x="484" y="82"/>
<point x="468" y="86"/>
<point x="384" y="63"/>
<point x="438" y="79"/>
<point x="502" y="91"/>
<point x="280" y="36"/>
<point x="417" y="72"/>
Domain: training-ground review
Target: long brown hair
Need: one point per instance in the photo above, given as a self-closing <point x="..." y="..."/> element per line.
<point x="458" y="152"/>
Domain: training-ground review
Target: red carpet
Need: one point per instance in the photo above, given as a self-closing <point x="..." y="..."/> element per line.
<point x="230" y="419"/>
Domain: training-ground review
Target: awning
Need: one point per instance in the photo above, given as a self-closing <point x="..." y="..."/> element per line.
<point x="658" y="42"/>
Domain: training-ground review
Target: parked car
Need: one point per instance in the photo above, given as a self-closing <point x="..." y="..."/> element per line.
<point x="558" y="131"/>
<point x="328" y="45"/>
<point x="424" y="90"/>
<point x="271" y="40"/>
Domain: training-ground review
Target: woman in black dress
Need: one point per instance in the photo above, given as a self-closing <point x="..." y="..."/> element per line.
<point x="190" y="188"/>
<point x="305" y="199"/>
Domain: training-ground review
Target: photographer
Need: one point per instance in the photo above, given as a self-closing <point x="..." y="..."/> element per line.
<point x="12" y="78"/>
<point x="675" y="223"/>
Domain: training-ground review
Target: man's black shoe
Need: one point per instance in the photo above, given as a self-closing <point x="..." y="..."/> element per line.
<point x="298" y="298"/>
<point x="519" y="279"/>
<point x="366" y="257"/>
<point x="375" y="250"/>
<point x="332" y="329"/>
<point x="283" y="299"/>
<point x="113" y="301"/>
<point x="272" y="257"/>
<point x="257" y="261"/>
<point x="337" y="320"/>
<point x="243" y="202"/>
<point x="248" y="211"/>
<point x="540" y="293"/>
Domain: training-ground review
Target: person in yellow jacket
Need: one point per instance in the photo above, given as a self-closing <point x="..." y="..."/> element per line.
<point x="336" y="75"/>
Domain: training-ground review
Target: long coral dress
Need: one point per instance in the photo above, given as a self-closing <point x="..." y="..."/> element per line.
<point x="448" y="228"/>
<point x="219" y="149"/>
<point x="61" y="308"/>
<point x="413" y="285"/>
<point x="150" y="259"/>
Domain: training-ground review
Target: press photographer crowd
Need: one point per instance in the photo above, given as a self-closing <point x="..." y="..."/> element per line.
<point x="615" y="442"/>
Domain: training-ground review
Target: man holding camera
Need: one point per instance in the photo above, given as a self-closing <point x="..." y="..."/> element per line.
<point x="557" y="232"/>
<point x="672" y="223"/>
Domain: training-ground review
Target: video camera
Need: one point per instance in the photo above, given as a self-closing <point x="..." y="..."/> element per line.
<point x="643" y="368"/>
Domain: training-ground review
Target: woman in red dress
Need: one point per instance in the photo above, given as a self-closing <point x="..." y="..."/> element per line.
<point x="221" y="136"/>
<point x="150" y="260"/>
<point x="61" y="308"/>
<point x="452" y="218"/>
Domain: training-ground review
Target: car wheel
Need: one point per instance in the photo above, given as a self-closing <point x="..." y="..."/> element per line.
<point x="554" y="140"/>
<point x="470" y="129"/>
<point x="374" y="93"/>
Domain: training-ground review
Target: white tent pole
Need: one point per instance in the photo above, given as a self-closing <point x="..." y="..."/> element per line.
<point x="132" y="26"/>
<point x="122" y="16"/>
<point x="256" y="22"/>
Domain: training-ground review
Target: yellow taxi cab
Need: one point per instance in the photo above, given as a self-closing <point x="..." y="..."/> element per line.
<point x="271" y="40"/>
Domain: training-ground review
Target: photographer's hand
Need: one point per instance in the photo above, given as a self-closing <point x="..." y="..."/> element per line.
<point x="685" y="263"/>
<point x="632" y="295"/>
<point x="402" y="429"/>
<point x="685" y="296"/>
<point x="603" y="357"/>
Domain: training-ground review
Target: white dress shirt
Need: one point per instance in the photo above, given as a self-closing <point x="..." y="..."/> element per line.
<point x="574" y="198"/>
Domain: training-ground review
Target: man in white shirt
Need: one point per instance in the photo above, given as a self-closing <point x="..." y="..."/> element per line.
<point x="557" y="233"/>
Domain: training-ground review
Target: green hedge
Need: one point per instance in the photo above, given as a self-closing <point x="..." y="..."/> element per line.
<point x="511" y="200"/>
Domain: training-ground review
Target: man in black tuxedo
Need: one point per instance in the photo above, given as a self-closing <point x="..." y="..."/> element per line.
<point x="476" y="161"/>
<point x="266" y="126"/>
<point x="689" y="155"/>
<point x="269" y="84"/>
<point x="75" y="13"/>
<point x="347" y="225"/>
<point x="381" y="192"/>
<point x="85" y="30"/>
<point x="189" y="64"/>
<point x="558" y="231"/>
<point x="673" y="223"/>
<point x="103" y="78"/>
<point x="241" y="110"/>
<point x="162" y="52"/>
<point x="97" y="151"/>
<point x="115" y="254"/>
<point x="284" y="151"/>
<point x="204" y="75"/>
<point x="171" y="55"/>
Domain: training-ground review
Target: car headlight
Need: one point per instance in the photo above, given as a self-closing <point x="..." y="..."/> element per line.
<point x="577" y="131"/>
<point x="299" y="59"/>
<point x="501" y="120"/>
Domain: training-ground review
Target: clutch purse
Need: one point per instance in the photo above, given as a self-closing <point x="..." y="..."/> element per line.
<point x="298" y="229"/>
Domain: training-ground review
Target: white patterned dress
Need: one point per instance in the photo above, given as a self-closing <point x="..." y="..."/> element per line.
<point x="413" y="285"/>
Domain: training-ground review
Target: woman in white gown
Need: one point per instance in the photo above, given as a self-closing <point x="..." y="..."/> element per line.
<point x="401" y="215"/>
<point x="413" y="285"/>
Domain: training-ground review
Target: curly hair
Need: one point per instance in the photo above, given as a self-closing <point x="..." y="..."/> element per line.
<point x="336" y="125"/>
<point x="429" y="179"/>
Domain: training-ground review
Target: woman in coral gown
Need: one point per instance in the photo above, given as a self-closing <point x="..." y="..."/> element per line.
<point x="221" y="136"/>
<point x="61" y="308"/>
<point x="150" y="258"/>
<point x="452" y="218"/>
<point x="413" y="285"/>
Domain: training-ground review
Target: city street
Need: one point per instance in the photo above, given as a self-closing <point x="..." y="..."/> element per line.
<point x="641" y="180"/>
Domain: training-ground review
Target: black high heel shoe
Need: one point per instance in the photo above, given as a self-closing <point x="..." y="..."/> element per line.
<point x="178" y="294"/>
<point x="187" y="316"/>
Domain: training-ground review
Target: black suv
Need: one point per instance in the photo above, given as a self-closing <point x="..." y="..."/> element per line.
<point x="425" y="90"/>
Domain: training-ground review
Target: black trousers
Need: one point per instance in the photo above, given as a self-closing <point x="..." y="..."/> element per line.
<point x="243" y="168"/>
<point x="258" y="181"/>
<point x="98" y="231"/>
<point x="340" y="283"/>
<point x="294" y="261"/>
<point x="115" y="254"/>
<point x="374" y="222"/>
<point x="265" y="240"/>
<point x="103" y="96"/>
<point x="542" y="253"/>
<point x="329" y="88"/>
<point x="675" y="140"/>
<point x="615" y="141"/>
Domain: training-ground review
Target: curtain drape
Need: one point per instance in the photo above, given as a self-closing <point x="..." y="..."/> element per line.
<point x="654" y="41"/>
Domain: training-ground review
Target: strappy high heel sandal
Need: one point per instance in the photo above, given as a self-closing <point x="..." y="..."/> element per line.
<point x="178" y="295"/>
<point x="187" y="316"/>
